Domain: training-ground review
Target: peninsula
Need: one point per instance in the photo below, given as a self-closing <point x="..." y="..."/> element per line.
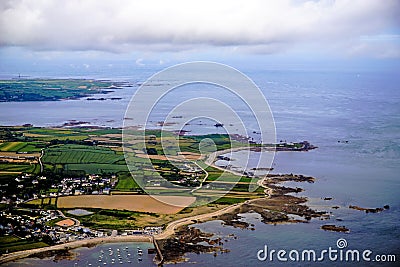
<point x="50" y="177"/>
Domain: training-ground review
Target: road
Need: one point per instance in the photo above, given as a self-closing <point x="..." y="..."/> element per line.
<point x="40" y="160"/>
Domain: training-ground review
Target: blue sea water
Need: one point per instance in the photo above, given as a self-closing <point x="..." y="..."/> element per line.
<point x="113" y="254"/>
<point x="321" y="107"/>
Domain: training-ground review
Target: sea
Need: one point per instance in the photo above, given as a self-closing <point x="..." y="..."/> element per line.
<point x="353" y="117"/>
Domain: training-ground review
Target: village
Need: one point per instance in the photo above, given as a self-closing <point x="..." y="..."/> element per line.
<point x="30" y="187"/>
<point x="53" y="227"/>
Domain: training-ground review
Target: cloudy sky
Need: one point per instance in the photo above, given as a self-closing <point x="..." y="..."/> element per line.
<point x="162" y="32"/>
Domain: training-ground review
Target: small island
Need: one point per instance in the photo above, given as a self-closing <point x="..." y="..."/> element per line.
<point x="334" y="228"/>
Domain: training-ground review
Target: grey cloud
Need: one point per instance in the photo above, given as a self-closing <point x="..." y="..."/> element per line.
<point x="174" y="25"/>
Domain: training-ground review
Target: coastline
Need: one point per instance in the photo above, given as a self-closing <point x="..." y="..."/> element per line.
<point x="72" y="245"/>
<point x="169" y="230"/>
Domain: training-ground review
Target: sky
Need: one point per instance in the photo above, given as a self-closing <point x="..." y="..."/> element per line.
<point x="291" y="34"/>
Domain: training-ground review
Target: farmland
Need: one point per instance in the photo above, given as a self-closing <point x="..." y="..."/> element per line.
<point x="79" y="152"/>
<point x="140" y="203"/>
<point x="20" y="147"/>
<point x="19" y="157"/>
<point x="83" y="151"/>
<point x="87" y="168"/>
<point x="124" y="219"/>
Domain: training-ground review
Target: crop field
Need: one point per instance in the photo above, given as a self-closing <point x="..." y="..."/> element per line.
<point x="96" y="168"/>
<point x="69" y="154"/>
<point x="11" y="146"/>
<point x="18" y="155"/>
<point x="20" y="147"/>
<point x="19" y="168"/>
<point x="80" y="151"/>
<point x="140" y="203"/>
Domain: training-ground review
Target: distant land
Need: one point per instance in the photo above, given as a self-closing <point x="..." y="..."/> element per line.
<point x="19" y="90"/>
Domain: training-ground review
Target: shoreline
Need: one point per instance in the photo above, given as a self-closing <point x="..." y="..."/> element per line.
<point x="73" y="245"/>
<point x="169" y="230"/>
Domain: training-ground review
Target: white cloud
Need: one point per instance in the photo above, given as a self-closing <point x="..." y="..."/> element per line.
<point x="139" y="62"/>
<point x="256" y="26"/>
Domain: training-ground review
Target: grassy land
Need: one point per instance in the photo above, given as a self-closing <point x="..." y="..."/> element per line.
<point x="115" y="219"/>
<point x="80" y="154"/>
<point x="44" y="203"/>
<point x="220" y="141"/>
<point x="126" y="182"/>
<point x="49" y="89"/>
<point x="27" y="168"/>
<point x="120" y="220"/>
<point x="229" y="200"/>
<point x="12" y="243"/>
<point x="71" y="151"/>
<point x="20" y="147"/>
<point x="90" y="159"/>
<point x="97" y="168"/>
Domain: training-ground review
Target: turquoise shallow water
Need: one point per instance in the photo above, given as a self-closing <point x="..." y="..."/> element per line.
<point x="362" y="108"/>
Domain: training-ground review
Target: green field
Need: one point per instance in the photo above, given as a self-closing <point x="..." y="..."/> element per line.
<point x="229" y="200"/>
<point x="80" y="154"/>
<point x="12" y="146"/>
<point x="218" y="141"/>
<point x="50" y="89"/>
<point x="12" y="243"/>
<point x="126" y="182"/>
<point x="96" y="168"/>
<point x="114" y="219"/>
<point x="20" y="147"/>
<point x="214" y="174"/>
<point x="72" y="152"/>
<point x="27" y="168"/>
